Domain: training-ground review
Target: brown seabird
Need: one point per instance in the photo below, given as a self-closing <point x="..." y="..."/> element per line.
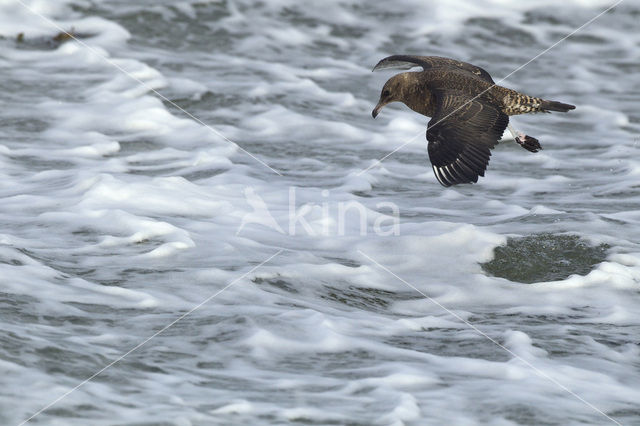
<point x="468" y="111"/>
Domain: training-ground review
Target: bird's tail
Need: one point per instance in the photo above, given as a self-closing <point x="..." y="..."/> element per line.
<point x="517" y="103"/>
<point x="555" y="106"/>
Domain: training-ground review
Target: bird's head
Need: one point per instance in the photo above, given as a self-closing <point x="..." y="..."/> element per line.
<point x="391" y="92"/>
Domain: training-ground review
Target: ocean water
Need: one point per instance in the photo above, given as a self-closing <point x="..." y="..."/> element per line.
<point x="193" y="217"/>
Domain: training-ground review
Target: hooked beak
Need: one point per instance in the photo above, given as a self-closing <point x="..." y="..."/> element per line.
<point x="377" y="109"/>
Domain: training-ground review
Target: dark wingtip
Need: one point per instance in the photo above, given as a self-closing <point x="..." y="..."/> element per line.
<point x="402" y="62"/>
<point x="377" y="67"/>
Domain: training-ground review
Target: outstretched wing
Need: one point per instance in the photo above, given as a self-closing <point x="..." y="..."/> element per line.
<point x="405" y="62"/>
<point x="461" y="135"/>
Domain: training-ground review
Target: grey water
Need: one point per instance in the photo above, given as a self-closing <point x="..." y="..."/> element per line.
<point x="511" y="301"/>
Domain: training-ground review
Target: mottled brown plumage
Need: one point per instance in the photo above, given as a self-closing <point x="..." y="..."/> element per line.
<point x="468" y="111"/>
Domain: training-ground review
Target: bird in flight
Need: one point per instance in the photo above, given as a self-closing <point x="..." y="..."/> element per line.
<point x="469" y="112"/>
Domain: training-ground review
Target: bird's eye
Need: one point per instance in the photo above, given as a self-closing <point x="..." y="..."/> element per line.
<point x="385" y="93"/>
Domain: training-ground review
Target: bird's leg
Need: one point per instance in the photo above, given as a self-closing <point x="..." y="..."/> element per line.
<point x="525" y="141"/>
<point x="513" y="132"/>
